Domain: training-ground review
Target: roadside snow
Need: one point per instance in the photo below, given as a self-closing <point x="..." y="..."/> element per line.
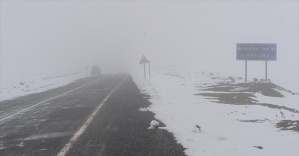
<point x="225" y="129"/>
<point x="33" y="83"/>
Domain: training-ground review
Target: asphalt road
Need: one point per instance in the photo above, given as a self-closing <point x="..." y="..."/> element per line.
<point x="92" y="116"/>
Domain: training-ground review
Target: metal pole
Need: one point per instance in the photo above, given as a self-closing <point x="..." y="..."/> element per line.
<point x="144" y="70"/>
<point x="245" y="70"/>
<point x="149" y="68"/>
<point x="266" y="70"/>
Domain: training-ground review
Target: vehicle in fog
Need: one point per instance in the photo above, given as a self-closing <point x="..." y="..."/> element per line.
<point x="95" y="70"/>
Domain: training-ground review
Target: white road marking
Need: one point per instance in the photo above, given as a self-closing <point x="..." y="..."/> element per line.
<point x="46" y="136"/>
<point x="82" y="129"/>
<point x="10" y="116"/>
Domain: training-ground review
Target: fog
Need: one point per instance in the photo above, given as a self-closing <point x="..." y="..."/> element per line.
<point x="52" y="36"/>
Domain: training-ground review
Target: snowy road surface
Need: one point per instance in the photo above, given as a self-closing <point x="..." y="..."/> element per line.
<point x="44" y="123"/>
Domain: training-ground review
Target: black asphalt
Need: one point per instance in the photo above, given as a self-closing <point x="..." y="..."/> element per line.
<point x="119" y="128"/>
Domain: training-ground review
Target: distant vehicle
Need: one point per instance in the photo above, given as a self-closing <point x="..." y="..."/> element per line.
<point x="95" y="70"/>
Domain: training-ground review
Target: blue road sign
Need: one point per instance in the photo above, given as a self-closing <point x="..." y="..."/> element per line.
<point x="257" y="51"/>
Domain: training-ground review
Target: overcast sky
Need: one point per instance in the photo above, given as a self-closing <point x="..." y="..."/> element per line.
<point x="54" y="35"/>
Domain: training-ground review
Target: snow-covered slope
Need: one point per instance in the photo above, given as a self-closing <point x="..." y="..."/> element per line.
<point x="235" y="118"/>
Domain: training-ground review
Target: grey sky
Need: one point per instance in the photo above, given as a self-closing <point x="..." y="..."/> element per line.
<point x="69" y="34"/>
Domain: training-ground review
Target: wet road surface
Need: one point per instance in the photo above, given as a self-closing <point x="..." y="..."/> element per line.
<point x="43" y="124"/>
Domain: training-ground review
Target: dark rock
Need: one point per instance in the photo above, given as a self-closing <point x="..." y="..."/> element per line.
<point x="259" y="147"/>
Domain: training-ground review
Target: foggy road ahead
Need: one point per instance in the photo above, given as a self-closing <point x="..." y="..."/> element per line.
<point x="92" y="116"/>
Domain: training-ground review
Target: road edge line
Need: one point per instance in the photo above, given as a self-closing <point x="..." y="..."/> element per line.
<point x="88" y="121"/>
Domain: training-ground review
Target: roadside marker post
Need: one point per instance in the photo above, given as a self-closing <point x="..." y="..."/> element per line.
<point x="245" y="70"/>
<point x="149" y="68"/>
<point x="144" y="61"/>
<point x="257" y="52"/>
<point x="266" y="70"/>
<point x="144" y="71"/>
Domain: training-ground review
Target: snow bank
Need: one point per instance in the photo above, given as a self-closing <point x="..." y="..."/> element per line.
<point x="34" y="83"/>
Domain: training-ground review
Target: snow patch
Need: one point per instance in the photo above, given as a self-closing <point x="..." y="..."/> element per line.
<point x="154" y="124"/>
<point x="143" y="109"/>
<point x="47" y="136"/>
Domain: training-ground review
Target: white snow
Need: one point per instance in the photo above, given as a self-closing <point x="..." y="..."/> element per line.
<point x="143" y="109"/>
<point x="196" y="129"/>
<point x="46" y="136"/>
<point x="153" y="124"/>
<point x="226" y="129"/>
<point x="21" y="85"/>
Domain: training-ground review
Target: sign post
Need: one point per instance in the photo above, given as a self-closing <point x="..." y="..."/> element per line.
<point x="245" y="70"/>
<point x="257" y="52"/>
<point x="266" y="70"/>
<point x="149" y="68"/>
<point x="144" y="61"/>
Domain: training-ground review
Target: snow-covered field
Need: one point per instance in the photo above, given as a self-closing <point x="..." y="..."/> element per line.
<point x="24" y="84"/>
<point x="233" y="120"/>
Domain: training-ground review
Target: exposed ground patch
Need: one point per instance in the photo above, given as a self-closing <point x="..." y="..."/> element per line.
<point x="288" y="125"/>
<point x="267" y="89"/>
<point x="244" y="94"/>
